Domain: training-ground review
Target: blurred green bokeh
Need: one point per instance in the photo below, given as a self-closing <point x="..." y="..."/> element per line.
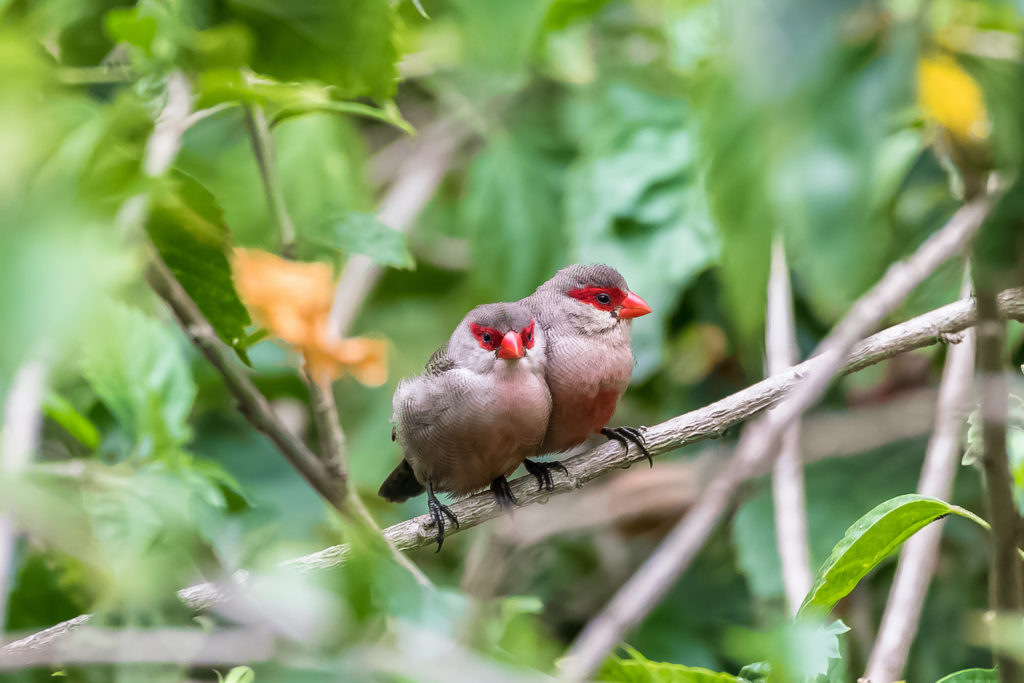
<point x="670" y="139"/>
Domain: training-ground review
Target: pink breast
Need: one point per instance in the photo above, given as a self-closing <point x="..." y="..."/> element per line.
<point x="576" y="416"/>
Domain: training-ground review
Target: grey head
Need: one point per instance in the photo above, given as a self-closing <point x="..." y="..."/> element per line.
<point x="493" y="336"/>
<point x="590" y="298"/>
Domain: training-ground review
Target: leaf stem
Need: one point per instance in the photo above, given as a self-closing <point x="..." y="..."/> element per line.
<point x="266" y="161"/>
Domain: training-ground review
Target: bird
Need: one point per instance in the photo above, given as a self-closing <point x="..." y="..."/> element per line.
<point x="478" y="410"/>
<point x="586" y="312"/>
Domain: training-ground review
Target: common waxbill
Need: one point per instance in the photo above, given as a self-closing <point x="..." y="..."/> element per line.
<point x="479" y="409"/>
<point x="586" y="312"/>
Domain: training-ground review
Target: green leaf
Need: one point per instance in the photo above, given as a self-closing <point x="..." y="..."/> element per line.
<point x="971" y="676"/>
<point x="362" y="233"/>
<point x="240" y="674"/>
<point x="870" y="540"/>
<point x="188" y="230"/>
<point x="138" y="369"/>
<point x="60" y="410"/>
<point x="350" y="44"/>
<point x="639" y="669"/>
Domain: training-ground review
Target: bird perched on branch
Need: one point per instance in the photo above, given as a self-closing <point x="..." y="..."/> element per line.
<point x="476" y="413"/>
<point x="586" y="312"/>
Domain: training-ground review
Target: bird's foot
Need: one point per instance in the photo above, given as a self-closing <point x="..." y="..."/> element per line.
<point x="438" y="511"/>
<point x="625" y="435"/>
<point x="542" y="471"/>
<point x="503" y="494"/>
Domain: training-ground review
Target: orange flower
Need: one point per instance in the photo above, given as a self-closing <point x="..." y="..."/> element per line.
<point x="292" y="300"/>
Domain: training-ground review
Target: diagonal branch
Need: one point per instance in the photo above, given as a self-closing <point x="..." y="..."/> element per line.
<point x="251" y="403"/>
<point x="920" y="553"/>
<point x="942" y="324"/>
<point x="759" y="443"/>
<point x="788" y="474"/>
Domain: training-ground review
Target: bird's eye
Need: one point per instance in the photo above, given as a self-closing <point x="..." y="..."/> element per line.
<point x="487" y="338"/>
<point x="604" y="298"/>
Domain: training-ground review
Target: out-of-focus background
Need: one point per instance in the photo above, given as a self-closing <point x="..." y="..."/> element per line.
<point x="670" y="139"/>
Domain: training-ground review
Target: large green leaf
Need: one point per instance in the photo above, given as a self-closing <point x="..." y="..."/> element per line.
<point x="139" y="370"/>
<point x="639" y="669"/>
<point x="971" y="676"/>
<point x="870" y="540"/>
<point x="350" y="45"/>
<point x="362" y="233"/>
<point x="188" y="230"/>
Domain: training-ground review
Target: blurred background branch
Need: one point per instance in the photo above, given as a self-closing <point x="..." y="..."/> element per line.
<point x="919" y="557"/>
<point x="758" y="444"/>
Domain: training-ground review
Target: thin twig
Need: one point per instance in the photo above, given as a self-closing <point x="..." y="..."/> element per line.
<point x="788" y="474"/>
<point x="251" y="403"/>
<point x="920" y="554"/>
<point x="942" y="324"/>
<point x="1005" y="590"/>
<point x="18" y="442"/>
<point x="759" y="444"/>
<point x="333" y="451"/>
<point x="266" y="160"/>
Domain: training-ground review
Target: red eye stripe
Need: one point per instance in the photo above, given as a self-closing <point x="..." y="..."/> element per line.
<point x="592" y="296"/>
<point x="526" y="334"/>
<point x="493" y="337"/>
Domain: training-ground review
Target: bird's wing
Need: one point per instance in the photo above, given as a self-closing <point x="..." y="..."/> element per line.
<point x="439" y="362"/>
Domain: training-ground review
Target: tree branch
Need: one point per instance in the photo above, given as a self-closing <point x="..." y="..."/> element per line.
<point x="251" y="403"/>
<point x="1005" y="590"/>
<point x="788" y="474"/>
<point x="417" y="180"/>
<point x="711" y="421"/>
<point x="18" y="442"/>
<point x="759" y="443"/>
<point x="920" y="553"/>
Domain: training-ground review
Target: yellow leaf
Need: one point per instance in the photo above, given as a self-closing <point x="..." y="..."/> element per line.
<point x="952" y="98"/>
<point x="292" y="301"/>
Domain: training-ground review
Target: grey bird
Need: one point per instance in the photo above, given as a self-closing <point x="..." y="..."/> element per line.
<point x="479" y="409"/>
<point x="586" y="312"/>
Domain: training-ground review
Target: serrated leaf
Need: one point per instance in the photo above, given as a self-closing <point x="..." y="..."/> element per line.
<point x="138" y="369"/>
<point x="870" y="540"/>
<point x="971" y="676"/>
<point x="60" y="410"/>
<point x="639" y="669"/>
<point x="350" y="45"/>
<point x="362" y="233"/>
<point x="187" y="227"/>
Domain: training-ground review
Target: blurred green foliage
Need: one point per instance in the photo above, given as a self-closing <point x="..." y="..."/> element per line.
<point x="669" y="138"/>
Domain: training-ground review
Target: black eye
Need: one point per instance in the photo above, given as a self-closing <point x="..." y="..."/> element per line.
<point x="604" y="298"/>
<point x="487" y="338"/>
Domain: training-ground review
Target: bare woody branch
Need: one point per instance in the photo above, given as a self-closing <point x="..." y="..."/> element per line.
<point x="252" y="404"/>
<point x="920" y="554"/>
<point x="788" y="474"/>
<point x="1006" y="594"/>
<point x="940" y="325"/>
<point x="760" y="441"/>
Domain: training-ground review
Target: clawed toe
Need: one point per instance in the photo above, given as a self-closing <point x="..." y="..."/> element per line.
<point x="503" y="493"/>
<point x="438" y="511"/>
<point x="542" y="471"/>
<point x="625" y="435"/>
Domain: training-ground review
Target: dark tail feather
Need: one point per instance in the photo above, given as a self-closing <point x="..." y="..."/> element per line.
<point x="401" y="484"/>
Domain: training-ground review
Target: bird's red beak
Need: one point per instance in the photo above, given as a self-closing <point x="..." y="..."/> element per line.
<point x="633" y="307"/>
<point x="511" y="346"/>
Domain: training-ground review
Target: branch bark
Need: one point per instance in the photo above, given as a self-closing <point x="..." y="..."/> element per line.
<point x="1005" y="590"/>
<point x="920" y="553"/>
<point x="788" y="473"/>
<point x="759" y="443"/>
<point x="251" y="403"/>
<point x="940" y="325"/>
<point x="18" y="442"/>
